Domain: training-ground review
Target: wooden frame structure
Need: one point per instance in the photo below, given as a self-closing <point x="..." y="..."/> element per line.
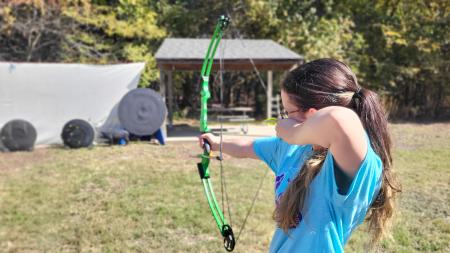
<point x="234" y="55"/>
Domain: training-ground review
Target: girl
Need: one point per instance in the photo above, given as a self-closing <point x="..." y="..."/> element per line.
<point x="331" y="159"/>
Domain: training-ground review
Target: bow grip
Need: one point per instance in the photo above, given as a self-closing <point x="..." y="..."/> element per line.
<point x="206" y="146"/>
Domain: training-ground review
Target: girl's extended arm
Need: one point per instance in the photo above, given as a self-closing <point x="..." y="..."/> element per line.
<point x="239" y="148"/>
<point x="337" y="128"/>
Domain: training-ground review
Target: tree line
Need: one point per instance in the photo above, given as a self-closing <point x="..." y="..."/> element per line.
<point x="400" y="48"/>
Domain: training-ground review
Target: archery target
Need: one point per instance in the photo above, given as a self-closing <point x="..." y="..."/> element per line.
<point x="18" y="135"/>
<point x="142" y="111"/>
<point x="78" y="133"/>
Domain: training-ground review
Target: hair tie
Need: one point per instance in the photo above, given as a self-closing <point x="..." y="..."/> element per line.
<point x="358" y="93"/>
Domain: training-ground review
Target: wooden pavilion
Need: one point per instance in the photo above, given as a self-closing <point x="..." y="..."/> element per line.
<point x="234" y="54"/>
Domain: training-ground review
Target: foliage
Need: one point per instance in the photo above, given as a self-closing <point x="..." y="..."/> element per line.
<point x="29" y="31"/>
<point x="407" y="53"/>
<point x="398" y="48"/>
<point x="81" y="31"/>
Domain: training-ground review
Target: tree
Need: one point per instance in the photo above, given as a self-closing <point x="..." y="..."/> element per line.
<point x="81" y="31"/>
<point x="398" y="48"/>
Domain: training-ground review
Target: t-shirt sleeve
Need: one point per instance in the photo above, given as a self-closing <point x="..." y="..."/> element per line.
<point x="268" y="149"/>
<point x="364" y="186"/>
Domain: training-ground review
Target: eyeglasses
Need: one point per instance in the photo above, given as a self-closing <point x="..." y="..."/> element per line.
<point x="285" y="114"/>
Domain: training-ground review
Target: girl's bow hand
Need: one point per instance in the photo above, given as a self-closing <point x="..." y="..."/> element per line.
<point x="213" y="141"/>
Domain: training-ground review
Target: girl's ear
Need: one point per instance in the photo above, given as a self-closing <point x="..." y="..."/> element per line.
<point x="310" y="112"/>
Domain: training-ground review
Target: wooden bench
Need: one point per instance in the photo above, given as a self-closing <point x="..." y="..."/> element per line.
<point x="242" y="119"/>
<point x="234" y="114"/>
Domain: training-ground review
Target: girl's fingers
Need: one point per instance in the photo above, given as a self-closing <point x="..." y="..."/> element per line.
<point x="209" y="138"/>
<point x="200" y="140"/>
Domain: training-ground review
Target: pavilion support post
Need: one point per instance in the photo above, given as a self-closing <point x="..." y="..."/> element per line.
<point x="162" y="92"/>
<point x="269" y="93"/>
<point x="162" y="84"/>
<point x="170" y="97"/>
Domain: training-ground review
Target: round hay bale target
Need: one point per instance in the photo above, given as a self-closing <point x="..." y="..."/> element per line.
<point x="142" y="111"/>
<point x="18" y="135"/>
<point x="78" y="133"/>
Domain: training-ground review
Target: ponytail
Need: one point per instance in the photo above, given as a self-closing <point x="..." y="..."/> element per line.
<point x="367" y="105"/>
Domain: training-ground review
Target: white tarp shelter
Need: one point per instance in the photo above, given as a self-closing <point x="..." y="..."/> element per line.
<point x="48" y="95"/>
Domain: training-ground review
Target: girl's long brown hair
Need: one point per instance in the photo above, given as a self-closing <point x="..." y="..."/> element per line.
<point x="328" y="82"/>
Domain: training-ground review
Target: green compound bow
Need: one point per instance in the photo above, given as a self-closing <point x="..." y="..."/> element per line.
<point x="224" y="228"/>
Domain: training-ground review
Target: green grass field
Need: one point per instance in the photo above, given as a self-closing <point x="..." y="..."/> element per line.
<point x="148" y="198"/>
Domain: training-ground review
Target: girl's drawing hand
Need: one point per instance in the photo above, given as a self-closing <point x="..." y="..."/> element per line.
<point x="285" y="129"/>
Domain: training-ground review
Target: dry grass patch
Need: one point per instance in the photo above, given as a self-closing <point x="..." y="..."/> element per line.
<point x="148" y="198"/>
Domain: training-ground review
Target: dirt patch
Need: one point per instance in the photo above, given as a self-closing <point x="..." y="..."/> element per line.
<point x="14" y="161"/>
<point x="412" y="136"/>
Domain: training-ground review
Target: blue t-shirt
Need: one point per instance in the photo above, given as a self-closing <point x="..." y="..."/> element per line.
<point x="327" y="218"/>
